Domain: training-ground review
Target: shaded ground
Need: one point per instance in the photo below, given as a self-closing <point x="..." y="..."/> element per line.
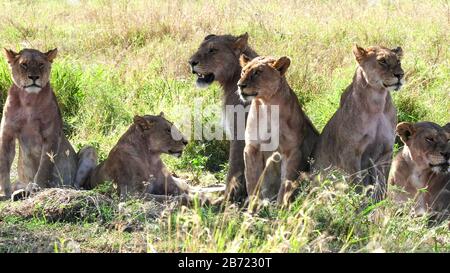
<point x="66" y="220"/>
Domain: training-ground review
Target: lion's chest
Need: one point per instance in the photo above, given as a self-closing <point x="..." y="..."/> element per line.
<point x="377" y="130"/>
<point x="261" y="124"/>
<point x="28" y="129"/>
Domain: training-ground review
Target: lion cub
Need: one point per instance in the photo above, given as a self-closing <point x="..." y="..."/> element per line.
<point x="359" y="138"/>
<point x="135" y="164"/>
<point x="31" y="115"/>
<point x="263" y="83"/>
<point x="423" y="163"/>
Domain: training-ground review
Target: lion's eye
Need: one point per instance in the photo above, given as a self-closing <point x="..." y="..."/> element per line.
<point x="257" y="72"/>
<point x="382" y="62"/>
<point x="429" y="140"/>
<point x="24" y="65"/>
<point x="212" y="50"/>
<point x="41" y="65"/>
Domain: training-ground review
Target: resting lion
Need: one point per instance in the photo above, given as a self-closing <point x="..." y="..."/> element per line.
<point x="217" y="59"/>
<point x="359" y="138"/>
<point x="263" y="83"/>
<point x="423" y="163"/>
<point x="135" y="164"/>
<point x="31" y="115"/>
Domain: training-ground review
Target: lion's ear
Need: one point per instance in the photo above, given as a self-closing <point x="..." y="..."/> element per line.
<point x="51" y="54"/>
<point x="241" y="43"/>
<point x="244" y="60"/>
<point x="282" y="64"/>
<point x="10" y="55"/>
<point x="142" y="122"/>
<point x="209" y="36"/>
<point x="447" y="128"/>
<point x="405" y="130"/>
<point x="359" y="52"/>
<point x="398" y="51"/>
<point x="161" y="114"/>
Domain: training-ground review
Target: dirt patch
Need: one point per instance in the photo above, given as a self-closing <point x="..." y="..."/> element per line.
<point x="75" y="206"/>
<point x="65" y="205"/>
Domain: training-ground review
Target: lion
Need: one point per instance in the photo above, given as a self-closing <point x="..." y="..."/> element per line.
<point x="134" y="165"/>
<point x="359" y="138"/>
<point x="423" y="163"/>
<point x="217" y="59"/>
<point x="32" y="116"/>
<point x="263" y="83"/>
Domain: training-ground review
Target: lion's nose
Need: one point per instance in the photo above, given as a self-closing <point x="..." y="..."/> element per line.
<point x="399" y="75"/>
<point x="242" y="85"/>
<point x="185" y="142"/>
<point x="193" y="62"/>
<point x="34" y="78"/>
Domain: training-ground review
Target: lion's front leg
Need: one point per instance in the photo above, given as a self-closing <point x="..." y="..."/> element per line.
<point x="7" y="153"/>
<point x="236" y="185"/>
<point x="270" y="179"/>
<point x="44" y="173"/>
<point x="290" y="169"/>
<point x="254" y="166"/>
<point x="382" y="167"/>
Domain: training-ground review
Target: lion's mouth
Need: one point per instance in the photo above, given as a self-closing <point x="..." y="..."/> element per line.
<point x="33" y="88"/>
<point x="248" y="97"/>
<point x="175" y="153"/>
<point x="204" y="79"/>
<point x="441" y="167"/>
<point x="395" y="86"/>
<point x="33" y="85"/>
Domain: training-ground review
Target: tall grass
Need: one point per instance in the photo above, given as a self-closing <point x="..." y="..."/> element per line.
<point x="121" y="58"/>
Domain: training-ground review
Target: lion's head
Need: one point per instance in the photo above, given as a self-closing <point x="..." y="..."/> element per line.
<point x="381" y="66"/>
<point x="261" y="76"/>
<point x="217" y="58"/>
<point x="161" y="135"/>
<point x="427" y="144"/>
<point x="31" y="68"/>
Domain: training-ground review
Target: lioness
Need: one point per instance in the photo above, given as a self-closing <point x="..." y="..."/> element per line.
<point x="135" y="165"/>
<point x="217" y="59"/>
<point x="263" y="83"/>
<point x="423" y="163"/>
<point x="32" y="116"/>
<point x="360" y="135"/>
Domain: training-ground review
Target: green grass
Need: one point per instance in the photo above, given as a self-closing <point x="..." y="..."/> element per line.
<point x="117" y="59"/>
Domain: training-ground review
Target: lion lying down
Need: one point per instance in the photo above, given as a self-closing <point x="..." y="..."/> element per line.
<point x="135" y="164"/>
<point x="423" y="163"/>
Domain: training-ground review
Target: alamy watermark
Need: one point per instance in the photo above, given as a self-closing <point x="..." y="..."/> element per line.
<point x="212" y="122"/>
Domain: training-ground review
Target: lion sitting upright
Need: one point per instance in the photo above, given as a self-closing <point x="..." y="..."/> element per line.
<point x="291" y="133"/>
<point x="359" y="138"/>
<point x="135" y="164"/>
<point x="31" y="115"/>
<point x="423" y="163"/>
<point x="217" y="59"/>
